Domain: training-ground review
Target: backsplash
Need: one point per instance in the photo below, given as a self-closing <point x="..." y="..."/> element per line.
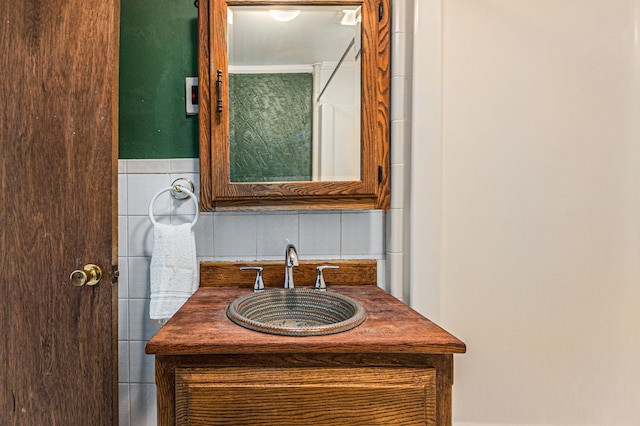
<point x="220" y="236"/>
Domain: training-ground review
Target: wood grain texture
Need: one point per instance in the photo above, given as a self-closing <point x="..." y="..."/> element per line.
<point x="217" y="191"/>
<point x="229" y="274"/>
<point x="205" y="114"/>
<point x="383" y="105"/>
<point x="202" y="327"/>
<point x="296" y="396"/>
<point x="293" y="203"/>
<point x="58" y="130"/>
<point x="168" y="365"/>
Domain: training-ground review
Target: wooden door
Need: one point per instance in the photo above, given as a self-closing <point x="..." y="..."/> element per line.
<point x="58" y="165"/>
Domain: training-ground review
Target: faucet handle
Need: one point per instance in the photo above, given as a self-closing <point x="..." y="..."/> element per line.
<point x="320" y="284"/>
<point x="258" y="285"/>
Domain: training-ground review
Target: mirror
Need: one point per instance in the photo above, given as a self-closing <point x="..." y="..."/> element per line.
<point x="294" y="101"/>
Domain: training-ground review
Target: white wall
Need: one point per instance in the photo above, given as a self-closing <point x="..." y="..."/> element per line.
<point x="537" y="205"/>
<point x="336" y="121"/>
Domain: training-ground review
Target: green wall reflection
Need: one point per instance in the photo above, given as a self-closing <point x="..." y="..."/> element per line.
<point x="270" y="127"/>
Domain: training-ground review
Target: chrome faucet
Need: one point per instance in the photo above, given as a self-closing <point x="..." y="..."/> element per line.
<point x="290" y="260"/>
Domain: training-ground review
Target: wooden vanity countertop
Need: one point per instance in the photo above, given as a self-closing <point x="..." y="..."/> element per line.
<point x="201" y="327"/>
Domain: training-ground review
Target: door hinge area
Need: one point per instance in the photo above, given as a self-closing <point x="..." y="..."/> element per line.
<point x="379" y="174"/>
<point x="380" y="11"/>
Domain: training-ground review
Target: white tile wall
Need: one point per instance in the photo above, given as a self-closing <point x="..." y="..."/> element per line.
<point x="401" y="83"/>
<point x="320" y="234"/>
<point x="219" y="236"/>
<point x="274" y="232"/>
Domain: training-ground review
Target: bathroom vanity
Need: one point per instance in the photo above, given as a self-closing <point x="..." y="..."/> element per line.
<point x="395" y="368"/>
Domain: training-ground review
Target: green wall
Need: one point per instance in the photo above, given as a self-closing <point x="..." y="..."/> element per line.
<point x="270" y="131"/>
<point x="158" y="49"/>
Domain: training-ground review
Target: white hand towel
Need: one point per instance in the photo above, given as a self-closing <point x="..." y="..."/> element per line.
<point x="174" y="269"/>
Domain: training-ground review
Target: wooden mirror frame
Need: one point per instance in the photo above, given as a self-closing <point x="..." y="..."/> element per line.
<point x="217" y="192"/>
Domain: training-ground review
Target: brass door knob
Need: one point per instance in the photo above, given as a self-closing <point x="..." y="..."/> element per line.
<point x="90" y="275"/>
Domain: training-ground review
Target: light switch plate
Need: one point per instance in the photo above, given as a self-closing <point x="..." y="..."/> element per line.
<point x="192" y="95"/>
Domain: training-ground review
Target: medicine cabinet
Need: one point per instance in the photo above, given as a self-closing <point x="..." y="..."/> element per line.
<point x="294" y="104"/>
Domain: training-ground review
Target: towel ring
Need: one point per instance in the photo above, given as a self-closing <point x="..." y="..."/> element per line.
<point x="175" y="188"/>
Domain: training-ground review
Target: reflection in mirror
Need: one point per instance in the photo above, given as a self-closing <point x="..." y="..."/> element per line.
<point x="294" y="93"/>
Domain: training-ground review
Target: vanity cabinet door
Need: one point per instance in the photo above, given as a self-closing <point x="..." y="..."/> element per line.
<point x="300" y="396"/>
